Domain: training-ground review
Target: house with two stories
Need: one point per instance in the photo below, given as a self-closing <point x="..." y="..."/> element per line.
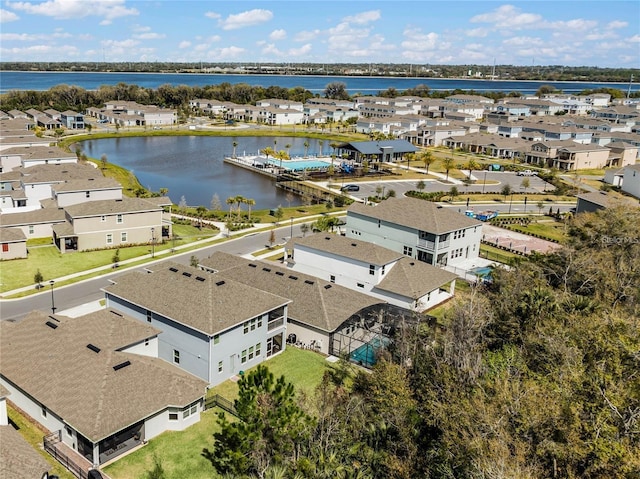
<point x="72" y="120"/>
<point x="379" y="272"/>
<point x="112" y="223"/>
<point x="631" y="180"/>
<point x="419" y="229"/>
<point x="16" y="157"/>
<point x="96" y="382"/>
<point x="212" y="326"/>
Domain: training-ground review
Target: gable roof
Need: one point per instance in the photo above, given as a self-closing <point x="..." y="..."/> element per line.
<point x="12" y="235"/>
<point x="376" y="147"/>
<point x="111" y="207"/>
<point x="314" y="302"/>
<point x="18" y="459"/>
<point x="349" y="248"/>
<point x="104" y="400"/>
<point x="414" y="279"/>
<point x="414" y="213"/>
<point x="196" y="299"/>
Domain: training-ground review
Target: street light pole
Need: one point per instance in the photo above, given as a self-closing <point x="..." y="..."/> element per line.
<point x="153" y="242"/>
<point x="291" y="236"/>
<point x="53" y="306"/>
<point x="510" y="203"/>
<point x="485" y="181"/>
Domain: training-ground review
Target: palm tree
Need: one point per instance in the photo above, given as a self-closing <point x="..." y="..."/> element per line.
<point x="267" y="151"/>
<point x="447" y="163"/>
<point x="288" y="147"/>
<point x="306" y="149"/>
<point x="238" y="199"/>
<point x="235" y="144"/>
<point x="320" y="145"/>
<point x="410" y="156"/>
<point x="282" y="155"/>
<point x="230" y="201"/>
<point x="249" y="202"/>
<point x="427" y="159"/>
<point x="163" y="191"/>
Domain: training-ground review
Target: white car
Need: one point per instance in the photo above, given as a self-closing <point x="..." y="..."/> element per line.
<point x="526" y="173"/>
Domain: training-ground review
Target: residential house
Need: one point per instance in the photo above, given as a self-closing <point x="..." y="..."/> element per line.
<point x="622" y="154"/>
<point x="614" y="176"/>
<point x="376" y="151"/>
<point x="419" y="229"/>
<point x="16" y="157"/>
<point x="599" y="200"/>
<point x="536" y="106"/>
<point x="324" y="316"/>
<point x="18" y="458"/>
<point x="13" y="244"/>
<point x="579" y="156"/>
<point x="631" y="180"/>
<point x="434" y="135"/>
<point x="377" y="271"/>
<point x="77" y="191"/>
<point x="111" y="223"/>
<point x="72" y="120"/>
<point x="36" y="223"/>
<point x="279" y="103"/>
<point x="212" y="325"/>
<point x="96" y="381"/>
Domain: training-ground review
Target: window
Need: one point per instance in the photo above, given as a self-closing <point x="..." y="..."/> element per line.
<point x="69" y="431"/>
<point x="372" y="269"/>
<point x="119" y="219"/>
<point x="87" y="194"/>
<point x="173" y="416"/>
<point x="252" y="324"/>
<point x="31" y="229"/>
<point x="176" y="356"/>
<point x="382" y="272"/>
<point x="408" y="250"/>
<point x="123" y="237"/>
<point x="5" y="247"/>
<point x="216" y="339"/>
<point x="251" y="353"/>
<point x="360" y="285"/>
<point x="258" y="350"/>
<point x="146" y="342"/>
<point x="332" y="278"/>
<point x="148" y="316"/>
<point x="109" y="238"/>
<point x="219" y="366"/>
<point x="243" y="357"/>
<point x="44" y="411"/>
<point x="103" y="218"/>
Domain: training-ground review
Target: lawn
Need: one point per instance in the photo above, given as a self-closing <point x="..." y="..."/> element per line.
<point x="180" y="450"/>
<point x="553" y="230"/>
<point x="496" y="254"/>
<point x="52" y="264"/>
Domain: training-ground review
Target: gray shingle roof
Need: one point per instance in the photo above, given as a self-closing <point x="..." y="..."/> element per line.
<point x="414" y="279"/>
<point x="12" y="235"/>
<point x="349" y="248"/>
<point x="315" y="302"/>
<point x="86" y="184"/>
<point x="375" y="147"/>
<point x="80" y="385"/>
<point x="43" y="215"/>
<point x="210" y="305"/>
<point x="111" y="207"/>
<point x="414" y="213"/>
<point x="608" y="201"/>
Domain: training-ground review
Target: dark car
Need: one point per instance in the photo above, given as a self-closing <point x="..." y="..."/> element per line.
<point x="350" y="188"/>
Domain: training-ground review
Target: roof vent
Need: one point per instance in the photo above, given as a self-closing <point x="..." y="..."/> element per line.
<point x="187" y="274"/>
<point x="251" y="265"/>
<point x="268" y="270"/>
<point x="175" y="270"/>
<point x="279" y="273"/>
<point x="327" y="286"/>
<point x="93" y="348"/>
<point x="353" y="244"/>
<point x="308" y="281"/>
<point x="121" y="365"/>
<point x="219" y="283"/>
<point x="412" y="263"/>
<point x="293" y="277"/>
<point x="200" y="278"/>
<point x="51" y="325"/>
<point x="327" y="237"/>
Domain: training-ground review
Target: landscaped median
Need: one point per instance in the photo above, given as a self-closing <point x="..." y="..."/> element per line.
<point x="180" y="452"/>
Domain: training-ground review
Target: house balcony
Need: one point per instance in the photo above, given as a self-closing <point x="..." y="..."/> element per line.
<point x="275" y="323"/>
<point x="431" y="245"/>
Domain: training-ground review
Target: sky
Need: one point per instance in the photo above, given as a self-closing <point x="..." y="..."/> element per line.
<point x="422" y="32"/>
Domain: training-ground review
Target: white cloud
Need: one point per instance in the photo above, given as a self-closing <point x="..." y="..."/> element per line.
<point x="228" y="53"/>
<point x="306" y="36"/>
<point x="303" y="50"/>
<point x="478" y="32"/>
<point x="21" y="37"/>
<point x="184" y="44"/>
<point x="246" y="19"/>
<point x="617" y="24"/>
<point x="363" y="18"/>
<point x="577" y="25"/>
<point x="519" y="41"/>
<point x="599" y="36"/>
<point x="278" y="35"/>
<point x="141" y="28"/>
<point x="416" y="40"/>
<point x="6" y="16"/>
<point x="70" y="9"/>
<point x="213" y="15"/>
<point x="508" y="16"/>
<point x="150" y="36"/>
<point x="634" y="39"/>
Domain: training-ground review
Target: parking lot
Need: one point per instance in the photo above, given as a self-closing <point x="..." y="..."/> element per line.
<point x="497" y="179"/>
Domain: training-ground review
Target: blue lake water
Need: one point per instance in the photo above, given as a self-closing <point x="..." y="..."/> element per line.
<point x="12" y="80"/>
<point x="192" y="166"/>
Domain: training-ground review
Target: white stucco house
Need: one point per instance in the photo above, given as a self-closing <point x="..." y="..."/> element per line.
<point x="372" y="269"/>
<point x="419" y="229"/>
<point x="631" y="180"/>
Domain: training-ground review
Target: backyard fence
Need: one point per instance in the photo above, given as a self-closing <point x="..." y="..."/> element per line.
<point x="50" y="442"/>
<point x="222" y="403"/>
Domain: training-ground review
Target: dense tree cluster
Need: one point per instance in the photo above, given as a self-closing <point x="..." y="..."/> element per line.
<point x="536" y="374"/>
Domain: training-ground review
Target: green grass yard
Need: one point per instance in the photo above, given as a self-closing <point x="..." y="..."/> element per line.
<point x="179" y="451"/>
<point x="553" y="230"/>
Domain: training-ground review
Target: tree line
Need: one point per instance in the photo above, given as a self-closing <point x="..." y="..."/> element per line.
<point x="533" y="374"/>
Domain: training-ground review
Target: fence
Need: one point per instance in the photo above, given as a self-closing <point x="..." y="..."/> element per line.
<point x="50" y="442"/>
<point x="220" y="402"/>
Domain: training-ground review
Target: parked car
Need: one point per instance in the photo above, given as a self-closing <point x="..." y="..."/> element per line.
<point x="526" y="173"/>
<point x="350" y="188"/>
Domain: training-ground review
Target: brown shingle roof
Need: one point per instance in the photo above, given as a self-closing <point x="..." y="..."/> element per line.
<point x="414" y="213"/>
<point x="11" y="235"/>
<point x="41" y="216"/>
<point x="111" y="207"/>
<point x="84" y="184"/>
<point x="315" y="302"/>
<point x="210" y="305"/>
<point x="81" y="385"/>
<point x="18" y="460"/>
<point x="414" y="279"/>
<point x="349" y="248"/>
